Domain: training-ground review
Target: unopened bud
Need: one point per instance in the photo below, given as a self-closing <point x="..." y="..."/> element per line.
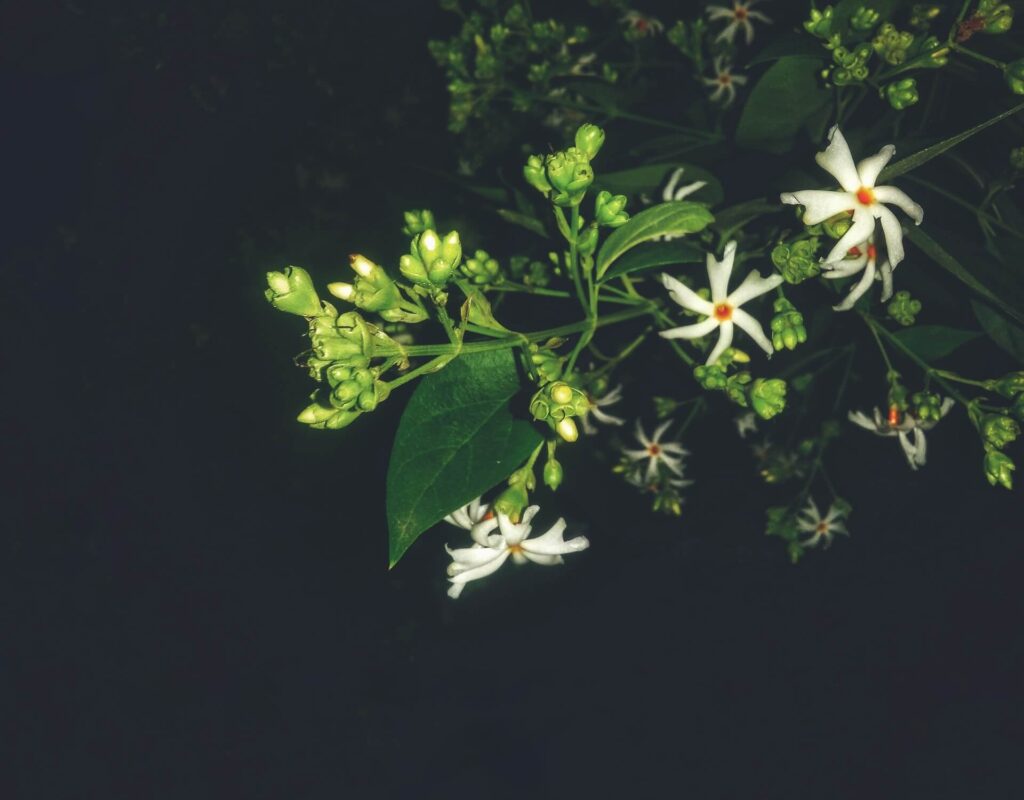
<point x="343" y="291"/>
<point x="567" y="430"/>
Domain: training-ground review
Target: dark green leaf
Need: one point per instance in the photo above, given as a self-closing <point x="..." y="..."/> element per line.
<point x="932" y="342"/>
<point x="797" y="45"/>
<point x="457" y="439"/>
<point x="651" y="176"/>
<point x="785" y="97"/>
<point x="733" y="217"/>
<point x="656" y="255"/>
<point x="531" y="224"/>
<point x="1002" y="331"/>
<point x="675" y="218"/>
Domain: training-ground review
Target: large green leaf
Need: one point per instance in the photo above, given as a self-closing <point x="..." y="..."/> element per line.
<point x="932" y="342"/>
<point x="923" y="156"/>
<point x="796" y="45"/>
<point x="785" y="97"/>
<point x="457" y="439"/>
<point x="650" y="176"/>
<point x="656" y="255"/>
<point x="675" y="218"/>
<point x="1002" y="331"/>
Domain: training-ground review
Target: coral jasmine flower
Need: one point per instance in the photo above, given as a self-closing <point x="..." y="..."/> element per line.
<point x="821" y="529"/>
<point x="859" y="196"/>
<point x="641" y="24"/>
<point x="596" y="404"/>
<point x="739" y="16"/>
<point x="747" y="423"/>
<point x="483" y="559"/>
<point x="476" y="518"/>
<point x="909" y="430"/>
<point x="724" y="81"/>
<point x="723" y="310"/>
<point x="863" y="257"/>
<point x="657" y="452"/>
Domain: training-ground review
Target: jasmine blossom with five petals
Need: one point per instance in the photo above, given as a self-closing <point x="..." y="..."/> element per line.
<point x="596" y="405"/>
<point x="821" y="529"/>
<point x="723" y="310"/>
<point x="657" y="452"/>
<point x="725" y="82"/>
<point x="909" y="429"/>
<point x="739" y="16"/>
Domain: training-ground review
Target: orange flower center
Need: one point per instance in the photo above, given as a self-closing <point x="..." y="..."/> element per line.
<point x="724" y="79"/>
<point x="822" y="527"/>
<point x="872" y="252"/>
<point x="894" y="416"/>
<point x="853" y="251"/>
<point x="654" y="450"/>
<point x="515" y="548"/>
<point x="740" y="14"/>
<point x="723" y="312"/>
<point x="865" y="196"/>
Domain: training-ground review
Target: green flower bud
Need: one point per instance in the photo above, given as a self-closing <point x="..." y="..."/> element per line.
<point x="1010" y="385"/>
<point x="535" y="175"/>
<point x="553" y="474"/>
<point x="903" y="308"/>
<point x="664" y="407"/>
<point x="417" y="221"/>
<point x="609" y="209"/>
<point x="797" y="262"/>
<point x="373" y="289"/>
<point x="902" y="94"/>
<point x="570" y="174"/>
<point x="712" y="378"/>
<point x="586" y="244"/>
<point x="999" y="468"/>
<point x="926" y="406"/>
<point x="481" y="269"/>
<point x="432" y="260"/>
<point x="998" y="16"/>
<point x="787" y="326"/>
<point x="864" y="18"/>
<point x="567" y="430"/>
<point x="820" y="23"/>
<point x="837" y="226"/>
<point x="326" y="417"/>
<point x="589" y="139"/>
<point x="292" y="291"/>
<point x="1017" y="158"/>
<point x="512" y="501"/>
<point x="558" y="401"/>
<point x="998" y="430"/>
<point x="768" y="397"/>
<point x="1014" y="74"/>
<point x="547" y="364"/>
<point x="921" y="15"/>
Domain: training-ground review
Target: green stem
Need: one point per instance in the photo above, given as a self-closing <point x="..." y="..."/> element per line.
<point x="1000" y="65"/>
<point x="619" y="114"/>
<point x="433" y="365"/>
<point x="952" y="376"/>
<point x="964" y="204"/>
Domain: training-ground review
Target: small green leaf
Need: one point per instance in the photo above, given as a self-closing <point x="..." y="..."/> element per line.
<point x="531" y="224"/>
<point x="932" y="342"/>
<point x="675" y="218"/>
<point x="1004" y="333"/>
<point x="656" y="255"/>
<point x="923" y="156"/>
<point x="785" y="97"/>
<point x="457" y="439"/>
<point x="649" y="178"/>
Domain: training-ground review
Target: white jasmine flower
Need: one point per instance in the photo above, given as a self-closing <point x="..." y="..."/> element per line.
<point x="724" y="82"/>
<point x="723" y="310"/>
<point x="596" y="404"/>
<point x="862" y="257"/>
<point x="583" y="65"/>
<point x="859" y="196"/>
<point x="739" y="16"/>
<point x="906" y="427"/>
<point x="821" y="529"/>
<point x="671" y="192"/>
<point x="511" y="539"/>
<point x="747" y="423"/>
<point x="475" y="517"/>
<point x="641" y="24"/>
<point x="657" y="452"/>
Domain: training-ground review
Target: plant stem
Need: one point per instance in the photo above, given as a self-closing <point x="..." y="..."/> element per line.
<point x="978" y="56"/>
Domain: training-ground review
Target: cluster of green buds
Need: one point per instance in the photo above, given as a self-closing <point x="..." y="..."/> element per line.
<point x="345" y="339"/>
<point x="374" y="291"/>
<point x="997" y="16"/>
<point x="850" y="65"/>
<point x="903" y="308"/>
<point x="864" y="19"/>
<point x="432" y="261"/>
<point x="610" y="210"/>
<point x="922" y="15"/>
<point x="292" y="291"/>
<point x="768" y="397"/>
<point x="557" y="404"/>
<point x="926" y="406"/>
<point x="891" y="44"/>
<point x="717" y="378"/>
<point x="902" y="94"/>
<point x="481" y="269"/>
<point x="797" y="261"/>
<point x="565" y="176"/>
<point x="998" y="429"/>
<point x="529" y="272"/>
<point x="516" y="497"/>
<point x="417" y="221"/>
<point x="820" y="22"/>
<point x="546" y="363"/>
<point x="787" y="325"/>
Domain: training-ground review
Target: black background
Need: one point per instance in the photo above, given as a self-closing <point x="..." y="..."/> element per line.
<point x="196" y="595"/>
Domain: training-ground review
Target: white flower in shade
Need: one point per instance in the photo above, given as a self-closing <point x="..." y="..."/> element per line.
<point x="723" y="310"/>
<point x="819" y="528"/>
<point x="739" y="16"/>
<point x="641" y="24"/>
<point x="746" y="423"/>
<point x="657" y="452"/>
<point x="859" y="196"/>
<point x="475" y="517"/>
<point x="511" y="539"/>
<point x="673" y="191"/>
<point x="863" y="257"/>
<point x="596" y="406"/>
<point x="906" y="427"/>
<point x="724" y="82"/>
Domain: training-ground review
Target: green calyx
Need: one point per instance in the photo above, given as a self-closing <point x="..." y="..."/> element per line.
<point x="292" y="291"/>
<point x="998" y="17"/>
<point x="344" y="338"/>
<point x="566" y="175"/>
<point x="1010" y="385"/>
<point x="417" y="221"/>
<point x="998" y="430"/>
<point x="902" y="94"/>
<point x="819" y="23"/>
<point x="903" y="308"/>
<point x="891" y="44"/>
<point x="432" y="260"/>
<point x="768" y="397"/>
<point x="553" y="474"/>
<point x="589" y="139"/>
<point x="926" y="406"/>
<point x="797" y="261"/>
<point x="999" y="468"/>
<point x="481" y="269"/>
<point x="864" y="19"/>
<point x="373" y="290"/>
<point x="787" y="325"/>
<point x="1014" y="74"/>
<point x="609" y="209"/>
<point x="716" y="378"/>
<point x="558" y="401"/>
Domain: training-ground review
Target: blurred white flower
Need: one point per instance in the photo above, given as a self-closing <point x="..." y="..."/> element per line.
<point x="510" y="539"/>
<point x="657" y="452"/>
<point x="474" y="517"/>
<point x="906" y="427"/>
<point x="746" y="423"/>
<point x="861" y="257"/>
<point x="724" y="82"/>
<point x="641" y="24"/>
<point x="724" y="308"/>
<point x="596" y="405"/>
<point x="739" y="16"/>
<point x="859" y="196"/>
<point x="821" y="529"/>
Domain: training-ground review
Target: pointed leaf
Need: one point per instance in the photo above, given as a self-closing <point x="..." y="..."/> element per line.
<point x="1002" y="331"/>
<point x="932" y="342"/>
<point x="656" y="255"/>
<point x="785" y="97"/>
<point x="675" y="218"/>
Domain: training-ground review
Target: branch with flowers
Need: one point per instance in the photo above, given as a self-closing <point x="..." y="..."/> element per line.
<point x="618" y="276"/>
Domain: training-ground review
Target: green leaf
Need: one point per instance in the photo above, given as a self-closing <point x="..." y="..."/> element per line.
<point x="944" y="259"/>
<point x="675" y="218"/>
<point x="795" y="45"/>
<point x="649" y="178"/>
<point x="1004" y="333"/>
<point x="735" y="217"/>
<point x="531" y="224"/>
<point x="457" y="439"/>
<point x="785" y="97"/>
<point x="656" y="255"/>
<point x="932" y="342"/>
<point x="923" y="156"/>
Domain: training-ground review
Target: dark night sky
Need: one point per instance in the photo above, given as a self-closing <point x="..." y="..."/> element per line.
<point x="195" y="597"/>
